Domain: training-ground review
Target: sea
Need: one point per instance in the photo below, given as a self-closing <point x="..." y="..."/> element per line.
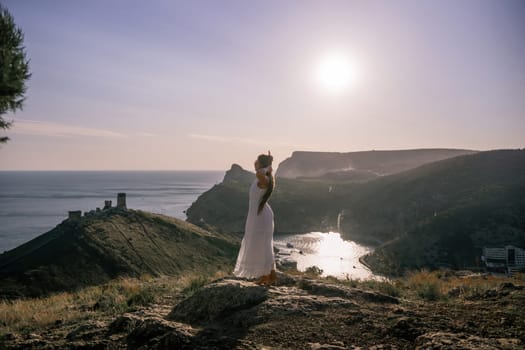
<point x="34" y="202"/>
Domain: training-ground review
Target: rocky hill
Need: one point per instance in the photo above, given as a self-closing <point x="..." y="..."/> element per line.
<point x="360" y="166"/>
<point x="115" y="242"/>
<point x="451" y="207"/>
<point x="304" y="313"/>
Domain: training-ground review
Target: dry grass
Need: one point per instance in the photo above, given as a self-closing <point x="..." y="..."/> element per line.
<point x="437" y="285"/>
<point x="126" y="294"/>
<point x="427" y="285"/>
<point x="30" y="314"/>
<point x="432" y="286"/>
<point x="112" y="298"/>
<point x="35" y="313"/>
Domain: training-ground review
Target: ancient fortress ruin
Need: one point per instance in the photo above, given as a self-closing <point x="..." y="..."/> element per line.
<point x="75" y="215"/>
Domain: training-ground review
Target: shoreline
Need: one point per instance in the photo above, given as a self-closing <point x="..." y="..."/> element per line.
<point x="329" y="252"/>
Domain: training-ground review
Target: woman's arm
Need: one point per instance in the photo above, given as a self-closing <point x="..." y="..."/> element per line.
<point x="264" y="181"/>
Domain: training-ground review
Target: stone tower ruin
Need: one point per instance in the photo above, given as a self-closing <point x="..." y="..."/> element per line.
<point x="121" y="201"/>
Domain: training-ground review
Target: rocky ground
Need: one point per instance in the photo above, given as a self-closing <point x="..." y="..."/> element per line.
<point x="298" y="313"/>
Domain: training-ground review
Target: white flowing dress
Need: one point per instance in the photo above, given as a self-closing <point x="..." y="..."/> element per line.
<point x="256" y="256"/>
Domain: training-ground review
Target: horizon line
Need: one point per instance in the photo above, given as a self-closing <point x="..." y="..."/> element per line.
<point x="100" y="170"/>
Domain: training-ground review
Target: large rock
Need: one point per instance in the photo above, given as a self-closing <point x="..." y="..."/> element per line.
<point x="152" y="332"/>
<point x="331" y="290"/>
<point x="158" y="333"/>
<point x="218" y="300"/>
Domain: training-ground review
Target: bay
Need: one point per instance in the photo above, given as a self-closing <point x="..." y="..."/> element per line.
<point x="327" y="251"/>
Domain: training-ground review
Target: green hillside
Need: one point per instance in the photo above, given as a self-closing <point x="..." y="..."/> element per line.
<point x="387" y="207"/>
<point x="454" y="237"/>
<point x="109" y="244"/>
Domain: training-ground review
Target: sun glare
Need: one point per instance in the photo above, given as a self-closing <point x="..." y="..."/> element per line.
<point x="335" y="73"/>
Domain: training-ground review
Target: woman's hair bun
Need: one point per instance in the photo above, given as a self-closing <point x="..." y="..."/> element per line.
<point x="265" y="159"/>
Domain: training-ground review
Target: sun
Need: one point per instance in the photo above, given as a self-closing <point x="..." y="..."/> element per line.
<point x="335" y="73"/>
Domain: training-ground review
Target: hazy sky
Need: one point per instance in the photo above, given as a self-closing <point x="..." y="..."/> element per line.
<point x="203" y="84"/>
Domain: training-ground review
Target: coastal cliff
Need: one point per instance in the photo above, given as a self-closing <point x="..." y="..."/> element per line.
<point x="439" y="214"/>
<point x="223" y="208"/>
<point x="360" y="166"/>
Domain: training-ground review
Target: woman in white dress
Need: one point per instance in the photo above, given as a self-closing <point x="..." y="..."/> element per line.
<point x="256" y="258"/>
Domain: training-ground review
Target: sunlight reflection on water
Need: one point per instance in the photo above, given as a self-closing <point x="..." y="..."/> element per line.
<point x="328" y="251"/>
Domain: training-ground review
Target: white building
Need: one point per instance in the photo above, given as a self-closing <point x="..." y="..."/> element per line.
<point x="508" y="259"/>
